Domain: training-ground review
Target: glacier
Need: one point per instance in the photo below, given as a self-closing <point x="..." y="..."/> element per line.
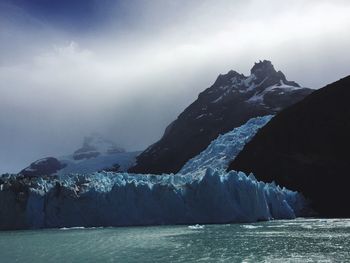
<point x="203" y="192"/>
<point x="225" y="148"/>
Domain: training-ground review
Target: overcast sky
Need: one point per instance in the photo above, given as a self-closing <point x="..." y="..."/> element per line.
<point x="127" y="68"/>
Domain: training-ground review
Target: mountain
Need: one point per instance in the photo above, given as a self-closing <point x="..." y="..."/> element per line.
<point x="306" y="148"/>
<point x="230" y="102"/>
<point x="96" y="154"/>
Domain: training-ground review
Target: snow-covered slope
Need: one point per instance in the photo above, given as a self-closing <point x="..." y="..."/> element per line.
<point x="96" y="154"/>
<point x="201" y="195"/>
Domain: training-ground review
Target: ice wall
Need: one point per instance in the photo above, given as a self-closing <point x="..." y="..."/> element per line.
<point x="109" y="199"/>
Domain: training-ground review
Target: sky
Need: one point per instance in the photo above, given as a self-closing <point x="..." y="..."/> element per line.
<point x="127" y="68"/>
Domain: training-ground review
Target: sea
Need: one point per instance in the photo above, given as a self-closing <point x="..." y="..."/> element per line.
<point x="299" y="240"/>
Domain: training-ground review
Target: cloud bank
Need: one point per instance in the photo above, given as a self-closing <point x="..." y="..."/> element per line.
<point x="126" y="69"/>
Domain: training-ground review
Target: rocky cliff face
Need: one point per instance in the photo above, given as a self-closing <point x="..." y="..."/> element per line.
<point x="306" y="148"/>
<point x="231" y="101"/>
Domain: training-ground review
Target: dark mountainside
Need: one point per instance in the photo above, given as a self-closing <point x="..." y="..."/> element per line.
<point x="306" y="148"/>
<point x="45" y="166"/>
<point x="230" y="102"/>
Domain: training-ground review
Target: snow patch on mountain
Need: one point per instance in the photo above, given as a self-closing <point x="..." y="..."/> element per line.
<point x="281" y="87"/>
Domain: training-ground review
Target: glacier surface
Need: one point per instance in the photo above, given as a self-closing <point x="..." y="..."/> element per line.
<point x="202" y="193"/>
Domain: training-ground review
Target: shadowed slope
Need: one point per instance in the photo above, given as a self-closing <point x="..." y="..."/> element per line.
<point x="306" y="148"/>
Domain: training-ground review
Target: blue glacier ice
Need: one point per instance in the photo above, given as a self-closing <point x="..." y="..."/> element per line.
<point x="203" y="192"/>
<point x="225" y="148"/>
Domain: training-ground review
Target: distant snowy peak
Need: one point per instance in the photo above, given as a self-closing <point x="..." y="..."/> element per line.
<point x="96" y="154"/>
<point x="95" y="145"/>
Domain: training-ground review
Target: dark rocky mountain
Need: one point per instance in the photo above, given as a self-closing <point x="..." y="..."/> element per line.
<point x="306" y="148"/>
<point x="45" y="166"/>
<point x="230" y="102"/>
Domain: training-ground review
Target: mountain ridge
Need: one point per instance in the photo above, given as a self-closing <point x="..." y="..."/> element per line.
<point x="231" y="101"/>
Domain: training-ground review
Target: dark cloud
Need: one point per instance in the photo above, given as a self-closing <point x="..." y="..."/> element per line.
<point x="72" y="15"/>
<point x="127" y="68"/>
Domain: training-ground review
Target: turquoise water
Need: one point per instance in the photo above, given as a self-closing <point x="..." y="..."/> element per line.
<point x="301" y="240"/>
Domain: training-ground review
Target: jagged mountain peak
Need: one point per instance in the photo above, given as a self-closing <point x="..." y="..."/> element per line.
<point x="264" y="71"/>
<point x="263" y="76"/>
<point x="264" y="86"/>
<point x="263" y="68"/>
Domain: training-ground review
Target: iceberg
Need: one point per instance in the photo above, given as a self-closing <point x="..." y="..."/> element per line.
<point x="202" y="193"/>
